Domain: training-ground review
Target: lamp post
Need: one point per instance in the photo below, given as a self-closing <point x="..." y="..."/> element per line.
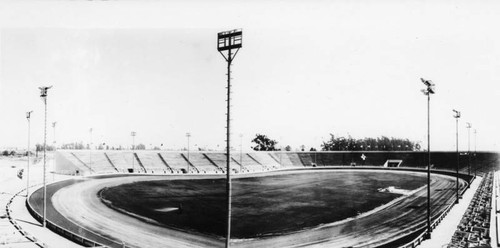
<point x="227" y="41"/>
<point x="475" y="153"/>
<point x="428" y="91"/>
<point x="54" y="129"/>
<point x="43" y="95"/>
<point x="90" y="150"/>
<point x="188" y="135"/>
<point x="241" y="150"/>
<point x="468" y="126"/>
<point x="28" y="116"/>
<point x="457" y="116"/>
<point x="133" y="146"/>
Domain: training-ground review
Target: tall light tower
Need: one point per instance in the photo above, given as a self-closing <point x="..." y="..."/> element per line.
<point x="188" y="135"/>
<point x="457" y="116"/>
<point x="241" y="150"/>
<point x="428" y="91"/>
<point x="28" y="116"/>
<point x="90" y="149"/>
<point x="468" y="126"/>
<point x="475" y="153"/>
<point x="54" y="129"/>
<point x="133" y="146"/>
<point x="43" y="95"/>
<point x="229" y="41"/>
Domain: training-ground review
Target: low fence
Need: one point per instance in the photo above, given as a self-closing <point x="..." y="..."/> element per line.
<point x="79" y="239"/>
<point x="17" y="226"/>
<point x="422" y="236"/>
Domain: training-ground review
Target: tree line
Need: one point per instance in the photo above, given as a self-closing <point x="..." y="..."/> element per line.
<point x="383" y="143"/>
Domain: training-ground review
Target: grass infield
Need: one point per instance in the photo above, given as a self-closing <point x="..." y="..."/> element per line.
<point x="261" y="206"/>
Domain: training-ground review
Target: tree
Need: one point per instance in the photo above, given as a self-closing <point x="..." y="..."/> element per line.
<point x="263" y="143"/>
<point x="140" y="147"/>
<point x="288" y="148"/>
<point x="368" y="144"/>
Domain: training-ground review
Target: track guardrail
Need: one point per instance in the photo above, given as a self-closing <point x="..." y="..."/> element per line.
<point x="17" y="226"/>
<point x="79" y="239"/>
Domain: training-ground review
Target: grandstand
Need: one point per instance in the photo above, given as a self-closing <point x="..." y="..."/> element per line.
<point x="176" y="162"/>
<point x="220" y="160"/>
<point x="97" y="161"/>
<point x="69" y="163"/>
<point x="247" y="162"/>
<point x="201" y="163"/>
<point x="265" y="160"/>
<point x="474" y="228"/>
<point x="152" y="162"/>
<point x="78" y="162"/>
<point x="119" y="161"/>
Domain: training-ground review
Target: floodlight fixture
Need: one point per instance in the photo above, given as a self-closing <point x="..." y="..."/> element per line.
<point x="457" y="114"/>
<point x="430" y="86"/>
<point x="231" y="39"/>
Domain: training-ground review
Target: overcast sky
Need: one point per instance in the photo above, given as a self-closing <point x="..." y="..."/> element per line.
<point x="306" y="69"/>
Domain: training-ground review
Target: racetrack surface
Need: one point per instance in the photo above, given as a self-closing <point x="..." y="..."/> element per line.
<point x="80" y="205"/>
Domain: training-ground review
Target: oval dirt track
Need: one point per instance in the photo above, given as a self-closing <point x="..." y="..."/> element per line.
<point x="80" y="204"/>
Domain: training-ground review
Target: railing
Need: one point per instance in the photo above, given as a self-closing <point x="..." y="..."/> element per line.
<point x="69" y="234"/>
<point x="18" y="227"/>
<point x="415" y="242"/>
<point x="418" y="240"/>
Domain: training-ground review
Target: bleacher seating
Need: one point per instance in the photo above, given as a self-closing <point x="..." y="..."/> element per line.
<point x="109" y="161"/>
<point x="97" y="161"/>
<point x="68" y="163"/>
<point x="265" y="160"/>
<point x="282" y="158"/>
<point x="176" y="162"/>
<point x="152" y="162"/>
<point x="202" y="163"/>
<point x="473" y="230"/>
<point x="294" y="159"/>
<point x="220" y="160"/>
<point x="246" y="162"/>
<point x="120" y="161"/>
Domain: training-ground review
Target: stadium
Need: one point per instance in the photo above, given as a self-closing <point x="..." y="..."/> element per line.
<point x="146" y="124"/>
<point x="285" y="199"/>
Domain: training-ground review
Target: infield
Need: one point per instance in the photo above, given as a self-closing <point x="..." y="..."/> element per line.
<point x="261" y="206"/>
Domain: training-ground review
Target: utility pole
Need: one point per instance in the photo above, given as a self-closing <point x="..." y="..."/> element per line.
<point x="475" y="153"/>
<point x="188" y="135"/>
<point x="43" y="95"/>
<point x="28" y="116"/>
<point x="468" y="126"/>
<point x="227" y="41"/>
<point x="241" y="150"/>
<point x="133" y="147"/>
<point x="54" y="129"/>
<point x="428" y="91"/>
<point x="457" y="116"/>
